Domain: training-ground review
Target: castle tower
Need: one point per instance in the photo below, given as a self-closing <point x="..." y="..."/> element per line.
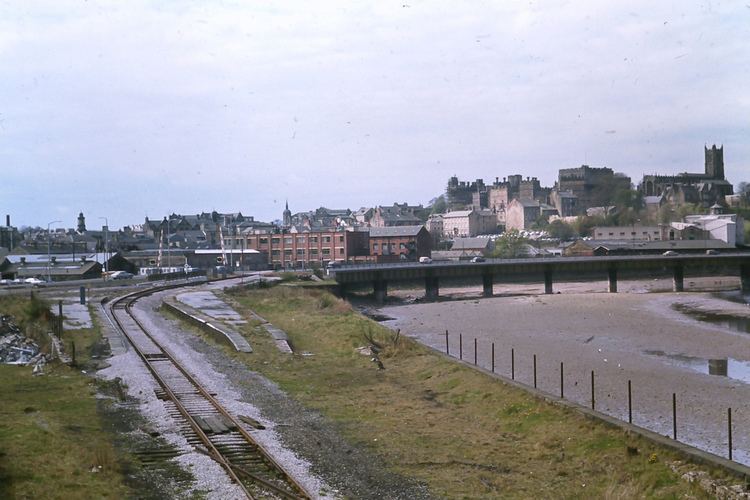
<point x="715" y="162"/>
<point x="287" y="217"/>
<point x="81" y="223"/>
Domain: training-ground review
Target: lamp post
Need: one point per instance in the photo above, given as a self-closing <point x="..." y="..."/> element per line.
<point x="49" y="278"/>
<point x="106" y="243"/>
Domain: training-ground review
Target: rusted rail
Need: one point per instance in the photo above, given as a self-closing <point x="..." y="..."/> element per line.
<point x="210" y="427"/>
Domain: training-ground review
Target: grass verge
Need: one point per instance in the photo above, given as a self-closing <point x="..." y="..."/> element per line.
<point x="466" y="435"/>
<point x="52" y="441"/>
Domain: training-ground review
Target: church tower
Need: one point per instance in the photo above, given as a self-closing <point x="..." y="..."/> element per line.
<point x="715" y="162"/>
<point x="81" y="223"/>
<point x="287" y="218"/>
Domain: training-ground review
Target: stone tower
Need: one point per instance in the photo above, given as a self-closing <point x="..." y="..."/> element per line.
<point x="287" y="218"/>
<point x="715" y="162"/>
<point x="81" y="223"/>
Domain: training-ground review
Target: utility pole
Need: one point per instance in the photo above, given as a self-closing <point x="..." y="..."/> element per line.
<point x="49" y="278"/>
<point x="106" y="244"/>
<point x="169" y="252"/>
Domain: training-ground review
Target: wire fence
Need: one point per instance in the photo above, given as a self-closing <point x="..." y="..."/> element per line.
<point x="532" y="380"/>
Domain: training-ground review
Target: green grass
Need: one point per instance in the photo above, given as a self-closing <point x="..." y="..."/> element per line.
<point x="464" y="434"/>
<point x="51" y="437"/>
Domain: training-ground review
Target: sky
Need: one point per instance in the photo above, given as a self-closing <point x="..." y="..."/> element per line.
<point x="127" y="110"/>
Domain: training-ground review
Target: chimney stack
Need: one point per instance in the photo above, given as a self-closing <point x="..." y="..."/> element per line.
<point x="7" y="220"/>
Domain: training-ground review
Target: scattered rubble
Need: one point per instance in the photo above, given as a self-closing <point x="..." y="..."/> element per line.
<point x="715" y="487"/>
<point x="15" y="347"/>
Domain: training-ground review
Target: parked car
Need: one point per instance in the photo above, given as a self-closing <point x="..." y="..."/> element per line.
<point x="711" y="251"/>
<point x="425" y="260"/>
<point x="334" y="264"/>
<point x="478" y="259"/>
<point x="670" y="253"/>
<point x="34" y="282"/>
<point x="121" y="275"/>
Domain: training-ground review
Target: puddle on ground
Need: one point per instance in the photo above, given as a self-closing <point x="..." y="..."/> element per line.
<point x="735" y="369"/>
<point x="730" y="322"/>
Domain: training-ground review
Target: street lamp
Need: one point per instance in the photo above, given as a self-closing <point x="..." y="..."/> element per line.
<point x="49" y="278"/>
<point x="106" y="243"/>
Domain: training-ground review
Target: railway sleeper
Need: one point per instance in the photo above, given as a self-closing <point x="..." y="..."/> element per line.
<point x="213" y="425"/>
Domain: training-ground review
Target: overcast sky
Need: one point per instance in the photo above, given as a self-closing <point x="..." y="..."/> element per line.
<point x="140" y="108"/>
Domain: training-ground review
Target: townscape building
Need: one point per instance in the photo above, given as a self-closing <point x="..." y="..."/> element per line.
<point x="705" y="189"/>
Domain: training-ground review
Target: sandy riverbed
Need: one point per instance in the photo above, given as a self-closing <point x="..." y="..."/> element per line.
<point x="636" y="336"/>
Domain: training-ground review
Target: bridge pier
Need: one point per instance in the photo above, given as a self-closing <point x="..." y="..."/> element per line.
<point x="380" y="287"/>
<point x="612" y="272"/>
<point x="745" y="278"/>
<point x="487" y="285"/>
<point x="678" y="279"/>
<point x="548" y="281"/>
<point x="431" y="288"/>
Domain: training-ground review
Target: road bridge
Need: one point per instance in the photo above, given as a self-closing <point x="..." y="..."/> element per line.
<point x="544" y="269"/>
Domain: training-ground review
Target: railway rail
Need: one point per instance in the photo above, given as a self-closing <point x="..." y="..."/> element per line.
<point x="207" y="425"/>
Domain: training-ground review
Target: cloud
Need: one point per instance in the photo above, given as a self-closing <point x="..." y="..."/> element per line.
<point x="234" y="105"/>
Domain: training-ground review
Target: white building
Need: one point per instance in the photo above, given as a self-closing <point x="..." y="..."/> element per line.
<point x="468" y="223"/>
<point x="729" y="228"/>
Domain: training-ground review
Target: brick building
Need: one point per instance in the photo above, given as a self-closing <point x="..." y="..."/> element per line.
<point x="399" y="243"/>
<point x="304" y="250"/>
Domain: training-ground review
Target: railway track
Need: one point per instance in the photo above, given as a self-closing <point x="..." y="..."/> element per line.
<point x="208" y="426"/>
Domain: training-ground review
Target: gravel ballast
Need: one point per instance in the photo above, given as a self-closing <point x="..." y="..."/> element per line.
<point x="302" y="440"/>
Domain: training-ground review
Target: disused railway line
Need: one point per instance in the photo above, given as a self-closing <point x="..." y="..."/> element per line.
<point x="206" y="424"/>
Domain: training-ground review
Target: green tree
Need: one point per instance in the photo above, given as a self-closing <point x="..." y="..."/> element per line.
<point x="439" y="205"/>
<point x="560" y="230"/>
<point x="665" y="215"/>
<point x="627" y="217"/>
<point x="689" y="209"/>
<point x="510" y="244"/>
<point x="625" y="199"/>
<point x="585" y="224"/>
<point x="540" y="224"/>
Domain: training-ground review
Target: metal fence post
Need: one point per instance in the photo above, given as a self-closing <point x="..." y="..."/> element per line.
<point x="59" y="319"/>
<point x="562" y="382"/>
<point x="447" y="347"/>
<point x="460" y="346"/>
<point x="534" y="371"/>
<point x="630" y="402"/>
<point x="729" y="431"/>
<point x="493" y="357"/>
<point x="512" y="364"/>
<point x="593" y="398"/>
<point x="674" y="416"/>
<point x="475" y="351"/>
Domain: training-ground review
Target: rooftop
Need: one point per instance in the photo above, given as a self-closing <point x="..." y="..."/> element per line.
<point x="395" y="231"/>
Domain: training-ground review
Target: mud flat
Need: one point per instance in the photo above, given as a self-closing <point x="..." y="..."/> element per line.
<point x="642" y="337"/>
